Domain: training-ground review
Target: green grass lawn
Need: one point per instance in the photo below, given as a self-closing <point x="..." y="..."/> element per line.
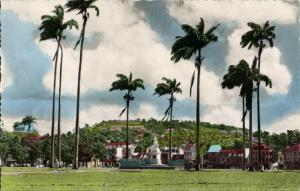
<point x="32" y="179"/>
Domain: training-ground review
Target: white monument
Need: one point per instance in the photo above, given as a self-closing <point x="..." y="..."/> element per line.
<point x="154" y="151"/>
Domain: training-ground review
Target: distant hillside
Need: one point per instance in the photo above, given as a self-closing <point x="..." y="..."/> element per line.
<point x="183" y="132"/>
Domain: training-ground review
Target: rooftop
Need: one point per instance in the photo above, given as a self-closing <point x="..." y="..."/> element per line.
<point x="25" y="128"/>
<point x="294" y="148"/>
<point x="232" y="151"/>
<point x="214" y="149"/>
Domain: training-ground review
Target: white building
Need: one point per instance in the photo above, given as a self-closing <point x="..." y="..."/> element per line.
<point x="120" y="149"/>
<point x="189" y="151"/>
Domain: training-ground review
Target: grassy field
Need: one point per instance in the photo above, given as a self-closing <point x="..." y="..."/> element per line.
<point x="31" y="179"/>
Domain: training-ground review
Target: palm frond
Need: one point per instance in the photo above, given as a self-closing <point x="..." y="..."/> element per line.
<point x="122" y="112"/>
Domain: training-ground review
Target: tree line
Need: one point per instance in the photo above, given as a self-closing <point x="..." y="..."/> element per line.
<point x="27" y="148"/>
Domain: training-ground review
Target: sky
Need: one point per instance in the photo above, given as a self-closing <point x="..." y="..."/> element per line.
<point x="137" y="36"/>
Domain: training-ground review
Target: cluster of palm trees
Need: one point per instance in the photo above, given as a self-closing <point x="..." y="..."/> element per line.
<point x="185" y="47"/>
<point x="241" y="75"/>
<point x="52" y="28"/>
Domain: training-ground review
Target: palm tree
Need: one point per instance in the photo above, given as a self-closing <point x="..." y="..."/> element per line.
<point x="16" y="124"/>
<point x="193" y="42"/>
<point x="244" y="77"/>
<point x="130" y="85"/>
<point x="169" y="87"/>
<point x="28" y="120"/>
<point x="257" y="37"/>
<point x="52" y="27"/>
<point x="82" y="7"/>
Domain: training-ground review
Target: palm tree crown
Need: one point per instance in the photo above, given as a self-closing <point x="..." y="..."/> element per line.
<point x="52" y="27"/>
<point x="243" y="76"/>
<point x="81" y="6"/>
<point x="168" y="87"/>
<point x="257" y="35"/>
<point x="127" y="83"/>
<point x="194" y="39"/>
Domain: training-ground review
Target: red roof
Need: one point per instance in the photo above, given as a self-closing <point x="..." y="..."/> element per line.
<point x="232" y="151"/>
<point x="294" y="148"/>
<point x="263" y="146"/>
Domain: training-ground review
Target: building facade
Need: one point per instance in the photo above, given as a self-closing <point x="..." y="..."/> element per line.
<point x="292" y="157"/>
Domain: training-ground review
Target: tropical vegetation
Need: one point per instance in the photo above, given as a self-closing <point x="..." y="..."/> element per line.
<point x="258" y="37"/>
<point x="82" y="7"/>
<point x="185" y="47"/>
<point x="129" y="85"/>
<point x="52" y="28"/>
<point x="169" y="87"/>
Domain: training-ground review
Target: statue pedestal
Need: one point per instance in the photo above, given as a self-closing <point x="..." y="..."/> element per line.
<point x="154" y="151"/>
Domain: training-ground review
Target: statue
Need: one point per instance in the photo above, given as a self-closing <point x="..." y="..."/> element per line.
<point x="154" y="151"/>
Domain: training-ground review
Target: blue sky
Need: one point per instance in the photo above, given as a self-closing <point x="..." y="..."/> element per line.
<point x="137" y="36"/>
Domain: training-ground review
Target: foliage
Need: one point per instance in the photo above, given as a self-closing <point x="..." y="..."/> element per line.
<point x="27" y="147"/>
<point x="256" y="35"/>
<point x="194" y="39"/>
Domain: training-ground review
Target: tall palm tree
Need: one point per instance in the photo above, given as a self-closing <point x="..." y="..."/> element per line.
<point x="244" y="77"/>
<point x="81" y="7"/>
<point x="169" y="87"/>
<point x="28" y="120"/>
<point x="130" y="85"/>
<point x="185" y="47"/>
<point x="52" y="27"/>
<point x="258" y="37"/>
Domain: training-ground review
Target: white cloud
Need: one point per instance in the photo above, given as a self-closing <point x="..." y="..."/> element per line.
<point x="6" y="79"/>
<point x="34" y="9"/>
<point x="231" y="10"/>
<point x="288" y="122"/>
<point x="223" y="115"/>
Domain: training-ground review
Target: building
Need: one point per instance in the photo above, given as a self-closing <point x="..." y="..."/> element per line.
<point x="25" y="128"/>
<point x="217" y="157"/>
<point x="292" y="157"/>
<point x="117" y="150"/>
<point x="231" y="158"/>
<point x="213" y="156"/>
<point x="189" y="151"/>
<point x="176" y="153"/>
<point x="268" y="156"/>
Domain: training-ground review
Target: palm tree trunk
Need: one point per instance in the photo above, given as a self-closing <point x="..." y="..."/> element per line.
<point x="75" y="166"/>
<point x="258" y="112"/>
<point x="244" y="136"/>
<point x="197" y="162"/>
<point x="53" y="108"/>
<point x="59" y="106"/>
<point x="170" y="132"/>
<point x="127" y="127"/>
<point x="250" y="139"/>
<point x="29" y="127"/>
